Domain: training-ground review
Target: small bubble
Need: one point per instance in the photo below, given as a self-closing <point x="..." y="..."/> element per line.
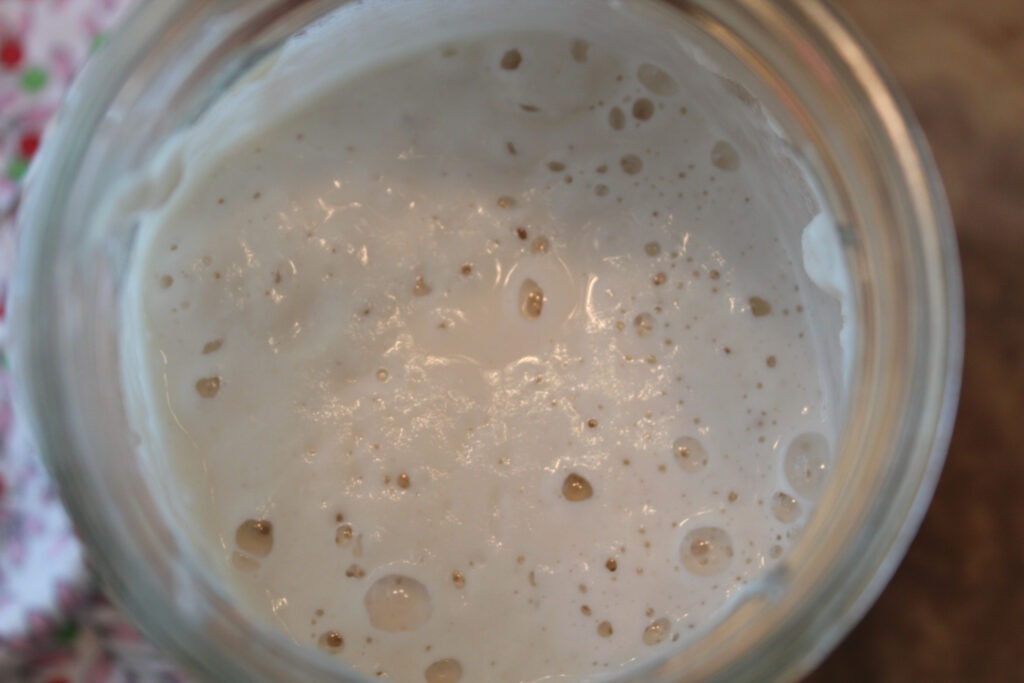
<point x="421" y="288"/>
<point x="616" y="118"/>
<point x="586" y="611"/>
<point x="255" y="536"/>
<point x="343" y="536"/>
<point x="382" y="375"/>
<point x="657" y="631"/>
<point x="397" y="603"/>
<point x="592" y="423"/>
<point x="576" y="488"/>
<point x="643" y="109"/>
<point x="644" y="324"/>
<point x="511" y="60"/>
<point x="724" y="156"/>
<point x="579" y="50"/>
<point x="166" y="281"/>
<point x="210" y="347"/>
<point x="466" y="270"/>
<point x="611" y="565"/>
<point x="458" y="579"/>
<point x="785" y="507"/>
<point x="556" y="166"/>
<point x="601" y="190"/>
<point x="531" y="299"/>
<point x="208" y="387"/>
<point x="806" y="464"/>
<point x="631" y="164"/>
<point x="403" y="481"/>
<point x="541" y="245"/>
<point x="355" y="572"/>
<point x="652" y="249"/>
<point x="659" y="279"/>
<point x="444" y="671"/>
<point x="759" y="307"/>
<point x="706" y="551"/>
<point x="331" y="641"/>
<point x="656" y="80"/>
<point x="522" y="234"/>
<point x="506" y="202"/>
<point x="771" y="361"/>
<point x="604" y="629"/>
<point x="689" y="453"/>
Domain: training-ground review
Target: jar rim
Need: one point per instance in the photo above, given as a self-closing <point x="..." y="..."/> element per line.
<point x="792" y="637"/>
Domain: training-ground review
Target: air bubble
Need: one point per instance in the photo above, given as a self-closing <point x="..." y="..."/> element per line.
<point x="331" y="641"/>
<point x="604" y="629"/>
<point x="644" y="324"/>
<point x="421" y="288"/>
<point x="506" y="202"/>
<point x="444" y="671"/>
<point x="580" y="50"/>
<point x="397" y="603"/>
<point x="759" y="307"/>
<point x="541" y="245"/>
<point x="689" y="453"/>
<point x="166" y="281"/>
<point x="255" y="536"/>
<point x="382" y="375"/>
<point x="643" y="109"/>
<point x="631" y="164"/>
<point x="707" y="551"/>
<point x="511" y="60"/>
<point x="458" y="579"/>
<point x="724" y="156"/>
<point x="531" y="299"/>
<point x="576" y="489"/>
<point x="208" y="387"/>
<point x="616" y="118"/>
<point x="785" y="507"/>
<point x="652" y="249"/>
<point x="343" y="536"/>
<point x="806" y="464"/>
<point x="656" y="80"/>
<point x="657" y="631"/>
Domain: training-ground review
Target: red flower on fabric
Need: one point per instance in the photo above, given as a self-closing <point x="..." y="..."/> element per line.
<point x="11" y="53"/>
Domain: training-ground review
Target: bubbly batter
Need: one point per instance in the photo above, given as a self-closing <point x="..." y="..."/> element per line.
<point x="484" y="363"/>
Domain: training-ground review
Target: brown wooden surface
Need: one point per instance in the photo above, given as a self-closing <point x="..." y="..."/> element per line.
<point x="955" y="609"/>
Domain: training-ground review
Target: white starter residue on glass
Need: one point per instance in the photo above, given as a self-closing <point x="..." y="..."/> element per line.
<point x="485" y="362"/>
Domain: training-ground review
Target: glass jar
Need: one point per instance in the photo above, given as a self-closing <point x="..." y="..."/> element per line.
<point x="846" y="123"/>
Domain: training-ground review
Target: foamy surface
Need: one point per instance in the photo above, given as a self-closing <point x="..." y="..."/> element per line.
<point x="486" y="362"/>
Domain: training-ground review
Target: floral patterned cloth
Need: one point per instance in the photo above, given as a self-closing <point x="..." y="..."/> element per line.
<point x="55" y="627"/>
